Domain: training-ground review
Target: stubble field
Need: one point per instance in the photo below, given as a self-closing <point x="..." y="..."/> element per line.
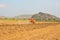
<point x="15" y="30"/>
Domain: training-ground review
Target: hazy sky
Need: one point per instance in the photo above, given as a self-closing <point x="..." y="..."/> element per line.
<point x="18" y="7"/>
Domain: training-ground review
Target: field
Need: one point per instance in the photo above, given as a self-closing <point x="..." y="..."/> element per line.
<point x="23" y="30"/>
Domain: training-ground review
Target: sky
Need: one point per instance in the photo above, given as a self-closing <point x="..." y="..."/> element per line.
<point x="11" y="8"/>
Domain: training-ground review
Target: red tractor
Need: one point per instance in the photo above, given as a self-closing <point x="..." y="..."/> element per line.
<point x="32" y="20"/>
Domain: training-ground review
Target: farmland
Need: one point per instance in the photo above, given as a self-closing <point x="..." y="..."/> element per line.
<point x="23" y="30"/>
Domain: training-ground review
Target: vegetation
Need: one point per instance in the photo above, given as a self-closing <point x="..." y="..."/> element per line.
<point x="38" y="17"/>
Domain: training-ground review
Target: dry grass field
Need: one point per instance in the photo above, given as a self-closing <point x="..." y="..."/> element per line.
<point x="14" y="30"/>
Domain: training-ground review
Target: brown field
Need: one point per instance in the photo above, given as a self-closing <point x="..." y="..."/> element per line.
<point x="15" y="30"/>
